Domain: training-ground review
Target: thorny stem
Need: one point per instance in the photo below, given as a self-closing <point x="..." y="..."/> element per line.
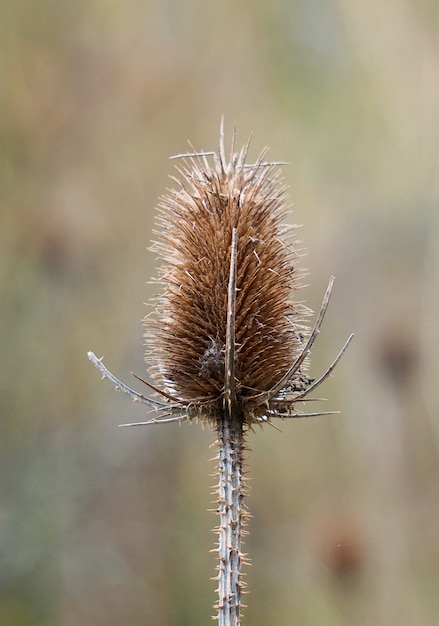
<point x="232" y="513"/>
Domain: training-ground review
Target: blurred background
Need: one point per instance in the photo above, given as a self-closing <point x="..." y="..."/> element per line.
<point x="102" y="526"/>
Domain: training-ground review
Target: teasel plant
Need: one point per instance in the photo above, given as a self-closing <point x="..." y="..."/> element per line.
<point x="226" y="343"/>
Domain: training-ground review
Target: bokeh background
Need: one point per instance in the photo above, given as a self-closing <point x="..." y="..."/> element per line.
<point x="102" y="526"/>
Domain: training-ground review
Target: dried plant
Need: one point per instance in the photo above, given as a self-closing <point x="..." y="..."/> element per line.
<point x="226" y="344"/>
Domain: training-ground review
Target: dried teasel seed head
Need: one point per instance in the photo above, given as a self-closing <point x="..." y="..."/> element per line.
<point x="225" y="316"/>
<point x="226" y="343"/>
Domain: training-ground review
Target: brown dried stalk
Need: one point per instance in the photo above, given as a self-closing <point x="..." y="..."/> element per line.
<point x="226" y="343"/>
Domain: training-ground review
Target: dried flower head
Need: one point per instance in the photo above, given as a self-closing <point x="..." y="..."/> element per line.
<point x="225" y="336"/>
<point x="188" y="339"/>
<point x="225" y="332"/>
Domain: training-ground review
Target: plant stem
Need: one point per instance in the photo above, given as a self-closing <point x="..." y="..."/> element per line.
<point x="233" y="515"/>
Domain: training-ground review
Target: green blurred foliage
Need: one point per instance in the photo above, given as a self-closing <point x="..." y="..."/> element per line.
<point x="100" y="526"/>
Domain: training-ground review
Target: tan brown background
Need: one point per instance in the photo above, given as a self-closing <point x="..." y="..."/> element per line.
<point x="103" y="527"/>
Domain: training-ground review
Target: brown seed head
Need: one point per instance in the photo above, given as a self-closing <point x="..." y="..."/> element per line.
<point x="187" y="335"/>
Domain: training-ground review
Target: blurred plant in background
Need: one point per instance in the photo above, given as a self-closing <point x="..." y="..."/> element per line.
<point x="102" y="526"/>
